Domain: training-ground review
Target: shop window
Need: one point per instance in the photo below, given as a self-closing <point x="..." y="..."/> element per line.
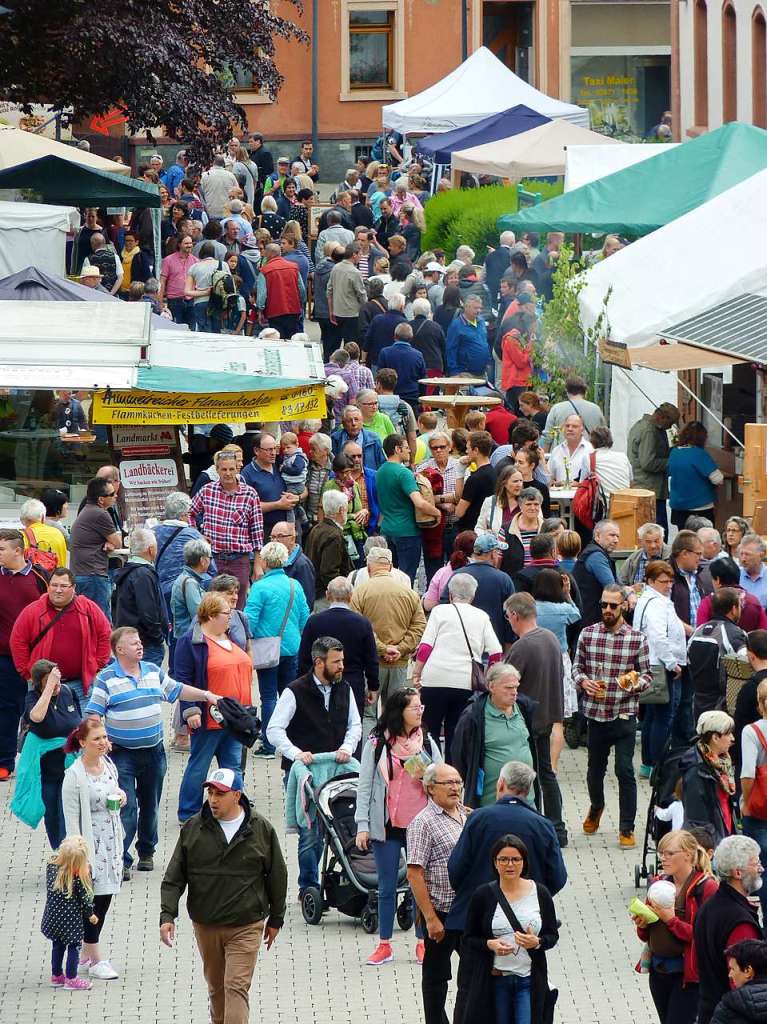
<point x="371" y="49"/>
<point x="700" y="34"/>
<point x="759" y="69"/>
<point x="729" y="58"/>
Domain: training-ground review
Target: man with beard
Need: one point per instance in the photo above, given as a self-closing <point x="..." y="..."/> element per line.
<point x="726" y="918"/>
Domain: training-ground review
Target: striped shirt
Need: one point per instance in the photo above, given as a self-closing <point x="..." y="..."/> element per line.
<point x="131" y="707"/>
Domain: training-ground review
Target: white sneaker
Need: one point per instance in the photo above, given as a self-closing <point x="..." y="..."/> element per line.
<point x="103" y="971"/>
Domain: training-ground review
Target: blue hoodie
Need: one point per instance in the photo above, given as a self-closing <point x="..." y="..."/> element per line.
<point x="466" y="347"/>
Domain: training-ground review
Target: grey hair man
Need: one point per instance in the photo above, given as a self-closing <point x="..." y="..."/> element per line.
<point x="382" y="560"/>
<point x="172" y="534"/>
<point x="138" y="599"/>
<point x="326" y="546"/>
<point x="726" y="917"/>
<point x="595" y="569"/>
<point x="355" y="633"/>
<point x="648" y="450"/>
<point x="104" y="257"/>
<point x="537" y="657"/>
<point x="711" y="540"/>
<point x="188" y="590"/>
<point x="431" y="838"/>
<point x="651" y="546"/>
<point x="298" y="567"/>
<point x="318" y="473"/>
<point x="753" y="574"/>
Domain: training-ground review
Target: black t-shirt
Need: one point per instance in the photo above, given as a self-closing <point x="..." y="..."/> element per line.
<point x="63" y="715"/>
<point x="479" y="486"/>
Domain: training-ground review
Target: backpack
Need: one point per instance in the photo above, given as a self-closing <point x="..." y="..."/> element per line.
<point x="590" y="501"/>
<point x="223" y="292"/>
<point x="46" y="560"/>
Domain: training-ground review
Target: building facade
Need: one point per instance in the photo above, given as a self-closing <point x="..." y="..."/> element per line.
<point x="721" y="72"/>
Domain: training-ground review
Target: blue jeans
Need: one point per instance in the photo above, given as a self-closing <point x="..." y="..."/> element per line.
<point x="141" y="773"/>
<point x="656" y="725"/>
<point x="512" y="999"/>
<point x="407" y="554"/>
<point x="154" y="653"/>
<point x="756" y="828"/>
<point x="271" y="683"/>
<point x="682" y="724"/>
<point x="54" y="812"/>
<point x="98" y="589"/>
<point x="387" y="857"/>
<point x="13" y="693"/>
<point x="205" y="745"/>
<point x="182" y="311"/>
<point x="311" y="844"/>
<point x="209" y="324"/>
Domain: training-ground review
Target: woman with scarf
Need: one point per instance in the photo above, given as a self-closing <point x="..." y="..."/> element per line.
<point x="708" y="785"/>
<point x="389" y="796"/>
<point x="673" y="964"/>
<point x="358" y="517"/>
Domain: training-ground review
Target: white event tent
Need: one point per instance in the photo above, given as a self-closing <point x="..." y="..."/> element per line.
<point x="479" y="87"/>
<point x="585" y="164"/>
<point x="540" y="151"/>
<point x="19" y="147"/>
<point x="35" y="234"/>
<point x="668" y="277"/>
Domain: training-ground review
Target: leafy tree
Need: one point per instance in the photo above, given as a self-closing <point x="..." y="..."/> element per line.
<point x="166" y="62"/>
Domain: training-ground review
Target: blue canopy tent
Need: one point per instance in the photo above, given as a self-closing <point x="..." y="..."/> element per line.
<point x="509" y="122"/>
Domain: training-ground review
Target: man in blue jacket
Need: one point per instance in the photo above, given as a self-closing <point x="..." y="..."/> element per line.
<point x="137" y="599"/>
<point x="351" y="429"/>
<point x="466" y="348"/>
<point x="407" y="361"/>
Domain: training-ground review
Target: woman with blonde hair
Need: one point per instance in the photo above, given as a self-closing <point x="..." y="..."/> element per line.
<point x="270" y="219"/>
<point x="708" y="786"/>
<point x="294" y="231"/>
<point x="673" y="963"/>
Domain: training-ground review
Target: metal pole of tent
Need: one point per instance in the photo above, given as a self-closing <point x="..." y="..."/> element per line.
<point x="713" y="416"/>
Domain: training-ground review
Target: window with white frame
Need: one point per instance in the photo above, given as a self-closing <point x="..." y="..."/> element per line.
<point x="372" y="51"/>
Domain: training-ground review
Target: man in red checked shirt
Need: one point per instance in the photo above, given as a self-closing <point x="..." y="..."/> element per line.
<point x="612" y="667"/>
<point x="229" y="514"/>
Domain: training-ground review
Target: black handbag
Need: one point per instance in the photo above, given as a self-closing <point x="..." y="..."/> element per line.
<point x="478" y="683"/>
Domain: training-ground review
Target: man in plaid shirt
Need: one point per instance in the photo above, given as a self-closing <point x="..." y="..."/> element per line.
<point x="229" y="514"/>
<point x="431" y="836"/>
<point x="606" y="652"/>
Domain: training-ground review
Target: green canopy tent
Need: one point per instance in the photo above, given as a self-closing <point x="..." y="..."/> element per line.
<point x="641" y="198"/>
<point x="62" y="183"/>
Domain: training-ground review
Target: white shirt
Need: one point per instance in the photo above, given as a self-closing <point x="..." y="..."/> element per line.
<point x="614" y="470"/>
<point x="282" y="716"/>
<point x="656" y="617"/>
<point x="448" y="663"/>
<point x="577" y="462"/>
<point x="230" y="828"/>
<point x="528" y="913"/>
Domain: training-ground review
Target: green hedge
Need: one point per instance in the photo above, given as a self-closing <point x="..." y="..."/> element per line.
<point x="468" y="216"/>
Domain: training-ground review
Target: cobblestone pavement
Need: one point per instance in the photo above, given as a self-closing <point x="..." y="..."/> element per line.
<point x="313" y="974"/>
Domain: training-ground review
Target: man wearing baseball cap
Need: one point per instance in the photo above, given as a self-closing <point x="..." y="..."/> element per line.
<point x="493" y="586"/>
<point x="229" y="859"/>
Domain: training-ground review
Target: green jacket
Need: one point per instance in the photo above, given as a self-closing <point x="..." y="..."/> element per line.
<point x="648" y="450"/>
<point x="233" y="883"/>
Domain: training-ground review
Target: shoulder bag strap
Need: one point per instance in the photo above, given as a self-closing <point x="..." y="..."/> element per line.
<point x="506" y="908"/>
<point x="169" y="541"/>
<point x="48" y="627"/>
<point x="644" y="612"/>
<point x="287" y="610"/>
<point x="760" y="735"/>
<point x="465" y="634"/>
<point x="29" y="533"/>
<point x="577" y="410"/>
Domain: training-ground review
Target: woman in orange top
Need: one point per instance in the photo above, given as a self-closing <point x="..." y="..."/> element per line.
<point x="206" y="652"/>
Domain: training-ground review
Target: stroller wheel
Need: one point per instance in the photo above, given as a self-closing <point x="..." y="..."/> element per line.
<point x="406" y="914"/>
<point x="637" y="876"/>
<point x="311" y="905"/>
<point x="369" y="921"/>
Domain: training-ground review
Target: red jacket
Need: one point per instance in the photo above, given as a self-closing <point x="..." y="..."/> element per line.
<point x="697" y="894"/>
<point x="94" y="627"/>
<point x="516" y="361"/>
<point x="282" y="294"/>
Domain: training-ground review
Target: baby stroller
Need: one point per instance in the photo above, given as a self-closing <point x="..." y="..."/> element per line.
<point x="348" y="878"/>
<point x="670" y="767"/>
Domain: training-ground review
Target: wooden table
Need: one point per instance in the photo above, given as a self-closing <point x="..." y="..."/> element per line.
<point x="456" y="406"/>
<point x="564" y="497"/>
<point x="452" y="385"/>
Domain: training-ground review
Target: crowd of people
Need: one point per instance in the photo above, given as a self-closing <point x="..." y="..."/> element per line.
<point x="377" y="594"/>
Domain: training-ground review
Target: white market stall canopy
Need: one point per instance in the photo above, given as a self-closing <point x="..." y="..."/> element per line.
<point x="667" y="278"/>
<point x="585" y="164"/>
<point x="34" y="234"/>
<point x="481" y="86"/>
<point x="19" y="147"/>
<point x="540" y="151"/>
<point x="222" y="354"/>
<point x="74" y="345"/>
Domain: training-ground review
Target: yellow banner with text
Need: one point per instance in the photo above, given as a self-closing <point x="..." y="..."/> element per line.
<point x="133" y="408"/>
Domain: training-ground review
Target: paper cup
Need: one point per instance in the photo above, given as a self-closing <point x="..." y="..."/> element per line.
<point x="113" y="802"/>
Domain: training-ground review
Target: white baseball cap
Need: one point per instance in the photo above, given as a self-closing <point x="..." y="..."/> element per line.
<point x="224" y="780"/>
